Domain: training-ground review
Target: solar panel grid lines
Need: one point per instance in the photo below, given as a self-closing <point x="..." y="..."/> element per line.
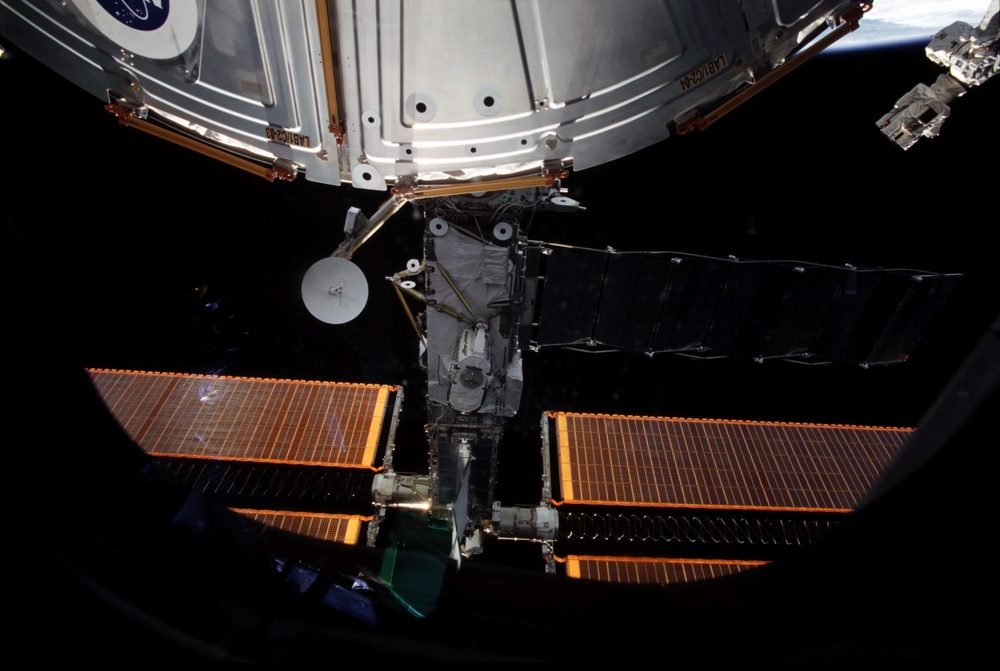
<point x="323" y="526"/>
<point x="749" y="471"/>
<point x="131" y="401"/>
<point x="808" y="466"/>
<point x="250" y="419"/>
<point x="221" y="418"/>
<point x="205" y="411"/>
<point x="811" y="467"/>
<point x="314" y="441"/>
<point x="179" y="427"/>
<point x="265" y="415"/>
<point x="830" y="473"/>
<point x="652" y="570"/>
<point x="302" y="441"/>
<point x="288" y="425"/>
<point x="719" y="464"/>
<point x="786" y="468"/>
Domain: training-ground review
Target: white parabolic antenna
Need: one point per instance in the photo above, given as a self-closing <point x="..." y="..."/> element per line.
<point x="334" y="290"/>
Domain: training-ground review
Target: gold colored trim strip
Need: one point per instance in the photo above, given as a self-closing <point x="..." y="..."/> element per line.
<point x="269" y="173"/>
<point x="326" y="51"/>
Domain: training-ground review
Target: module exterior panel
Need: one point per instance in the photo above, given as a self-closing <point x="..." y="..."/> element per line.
<point x="381" y="93"/>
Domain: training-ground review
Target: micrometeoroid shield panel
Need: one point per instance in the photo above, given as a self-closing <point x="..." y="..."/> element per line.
<point x="378" y="93"/>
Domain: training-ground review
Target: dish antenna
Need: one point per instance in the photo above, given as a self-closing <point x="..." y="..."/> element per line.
<point x="334" y="290"/>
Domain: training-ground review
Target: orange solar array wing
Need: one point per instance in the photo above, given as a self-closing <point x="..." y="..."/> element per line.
<point x="247" y="419"/>
<point x="667" y="462"/>
<point x="339" y="528"/>
<point x="648" y="570"/>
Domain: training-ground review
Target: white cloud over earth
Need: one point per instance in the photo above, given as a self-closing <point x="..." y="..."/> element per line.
<point x="894" y="21"/>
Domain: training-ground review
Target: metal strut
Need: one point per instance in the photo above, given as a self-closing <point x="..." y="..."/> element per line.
<point x="362" y="228"/>
<point x="849" y="23"/>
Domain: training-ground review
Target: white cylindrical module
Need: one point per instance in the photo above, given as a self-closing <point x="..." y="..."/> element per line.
<point x="540" y="522"/>
<point x="392" y="490"/>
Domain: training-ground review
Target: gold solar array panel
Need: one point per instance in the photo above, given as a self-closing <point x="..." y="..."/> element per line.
<point x="327" y="527"/>
<point x="247" y="419"/>
<point x="713" y="464"/>
<point x="650" y="570"/>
